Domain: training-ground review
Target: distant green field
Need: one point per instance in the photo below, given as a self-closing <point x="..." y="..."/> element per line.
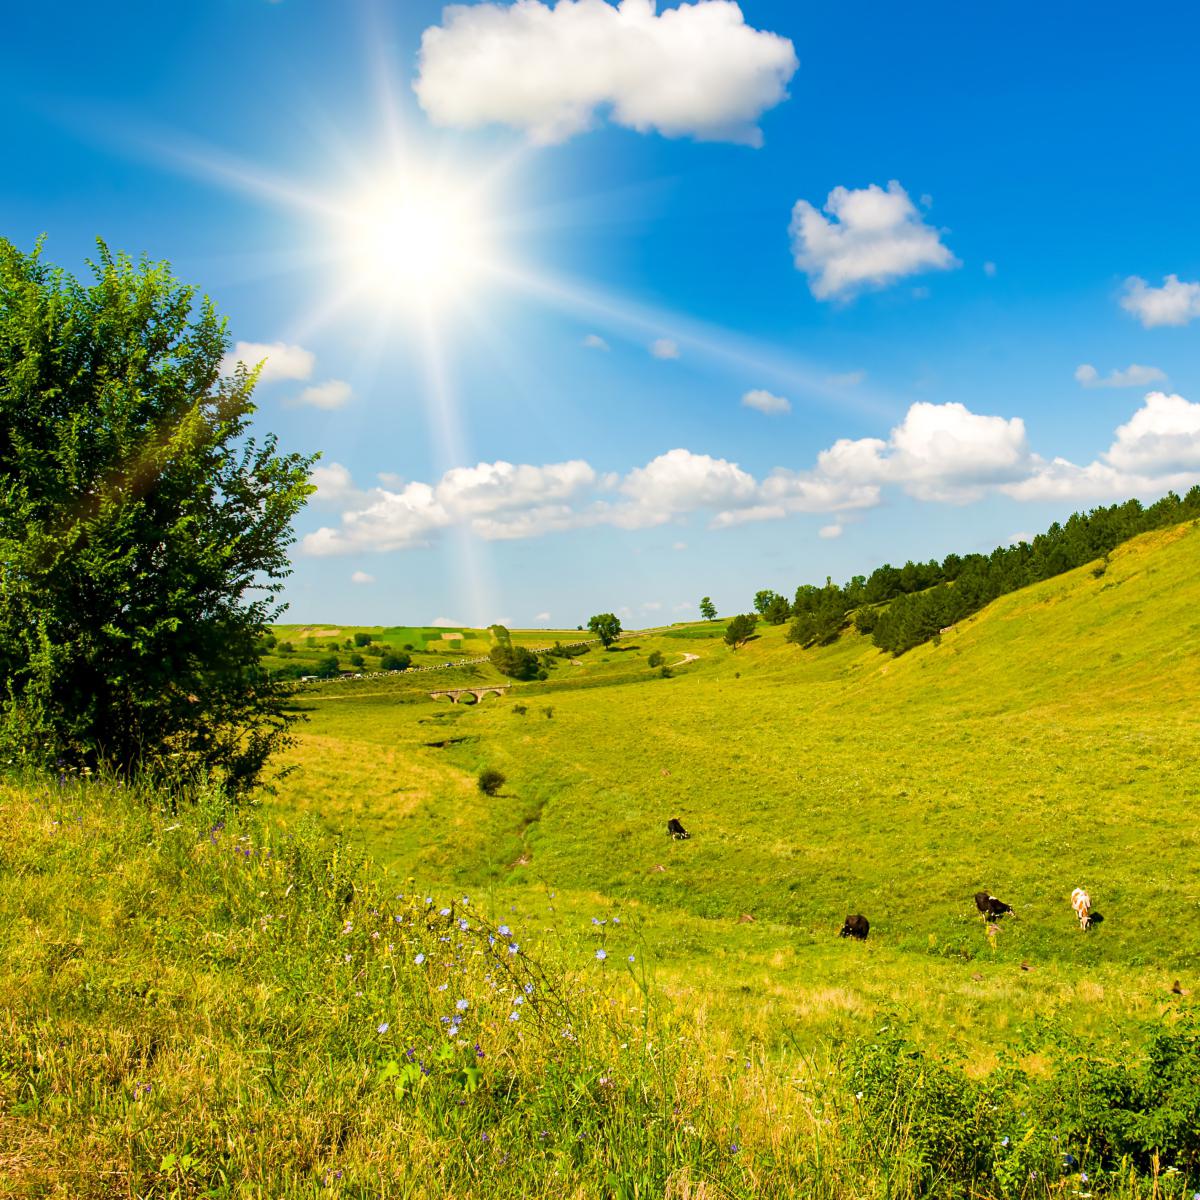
<point x="1046" y="743"/>
<point x="299" y="648"/>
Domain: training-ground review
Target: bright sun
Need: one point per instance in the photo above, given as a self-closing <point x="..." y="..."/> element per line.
<point x="412" y="239"/>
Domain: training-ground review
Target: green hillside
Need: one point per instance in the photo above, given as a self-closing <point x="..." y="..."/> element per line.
<point x="1045" y="743"/>
<point x="538" y="994"/>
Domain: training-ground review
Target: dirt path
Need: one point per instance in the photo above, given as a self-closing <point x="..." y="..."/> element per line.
<point x="687" y="658"/>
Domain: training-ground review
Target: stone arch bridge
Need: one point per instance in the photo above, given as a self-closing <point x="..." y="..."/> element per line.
<point x="454" y="695"/>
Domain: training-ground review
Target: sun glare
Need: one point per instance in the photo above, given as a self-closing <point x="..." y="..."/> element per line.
<point x="412" y="240"/>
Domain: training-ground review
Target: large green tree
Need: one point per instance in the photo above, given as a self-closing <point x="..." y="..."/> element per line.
<point x="607" y="627"/>
<point x="708" y="610"/>
<point x="143" y="532"/>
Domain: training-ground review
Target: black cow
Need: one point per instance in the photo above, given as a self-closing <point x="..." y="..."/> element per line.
<point x="990" y="907"/>
<point x="856" y="926"/>
<point x="676" y="830"/>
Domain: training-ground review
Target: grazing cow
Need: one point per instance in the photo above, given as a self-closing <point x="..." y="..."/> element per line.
<point x="1081" y="902"/>
<point x="676" y="830"/>
<point x="856" y="926"/>
<point x="990" y="907"/>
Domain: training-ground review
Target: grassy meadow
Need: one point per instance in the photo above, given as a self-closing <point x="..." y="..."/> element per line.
<point x="384" y="983"/>
<point x="1046" y="743"/>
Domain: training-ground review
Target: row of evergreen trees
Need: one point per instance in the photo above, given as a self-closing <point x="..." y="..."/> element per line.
<point x="902" y="607"/>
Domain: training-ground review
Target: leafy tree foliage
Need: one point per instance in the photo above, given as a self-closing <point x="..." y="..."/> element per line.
<point x="362" y="639"/>
<point x="490" y="781"/>
<point x="143" y="534"/>
<point x="740" y="630"/>
<point x="655" y="659"/>
<point x="395" y="660"/>
<point x="606" y="627"/>
<point x="514" y="661"/>
<point x="708" y="610"/>
<point x="764" y="599"/>
<point x="328" y="667"/>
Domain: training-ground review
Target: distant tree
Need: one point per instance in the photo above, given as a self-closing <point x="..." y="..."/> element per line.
<point x="327" y="667"/>
<point x="500" y="635"/>
<point x="310" y="641"/>
<point x="655" y="659"/>
<point x="514" y="661"/>
<point x="607" y="627"/>
<point x="740" y="630"/>
<point x="490" y="781"/>
<point x="143" y="533"/>
<point x="708" y="610"/>
<point x="764" y="599"/>
<point x="778" y="611"/>
<point x="394" y="660"/>
<point x="362" y="639"/>
<point x="357" y="660"/>
<point x="270" y="641"/>
<point x="285" y="648"/>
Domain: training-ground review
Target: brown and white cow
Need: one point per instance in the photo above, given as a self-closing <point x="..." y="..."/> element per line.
<point x="1081" y="902"/>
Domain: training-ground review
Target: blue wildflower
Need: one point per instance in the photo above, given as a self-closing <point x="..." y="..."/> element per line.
<point x="504" y="931"/>
<point x="462" y="1005"/>
<point x="513" y="948"/>
<point x="601" y="954"/>
<point x="383" y="1027"/>
<point x="419" y="959"/>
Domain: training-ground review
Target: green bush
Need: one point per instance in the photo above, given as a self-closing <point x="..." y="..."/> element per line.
<point x="490" y="781"/>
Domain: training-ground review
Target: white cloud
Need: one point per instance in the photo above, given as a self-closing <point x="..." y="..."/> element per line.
<point x="938" y="452"/>
<point x="1156" y="450"/>
<point x="548" y="69"/>
<point x="874" y="238"/>
<point x="362" y="577"/>
<point x="1163" y="436"/>
<point x="652" y="605"/>
<point x="1134" y="375"/>
<point x="283" y="361"/>
<point x="664" y="348"/>
<point x="680" y="481"/>
<point x="846" y="379"/>
<point x="1018" y="538"/>
<point x="333" y="393"/>
<point x="333" y="483"/>
<point x="765" y="402"/>
<point x="1175" y="303"/>
<point x="941" y="453"/>
<point x="542" y="617"/>
<point x="594" y="341"/>
<point x="446" y="623"/>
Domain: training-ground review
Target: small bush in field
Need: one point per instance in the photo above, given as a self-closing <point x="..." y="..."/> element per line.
<point x="490" y="781"/>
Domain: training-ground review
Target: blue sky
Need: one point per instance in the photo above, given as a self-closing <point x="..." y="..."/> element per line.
<point x="952" y="214"/>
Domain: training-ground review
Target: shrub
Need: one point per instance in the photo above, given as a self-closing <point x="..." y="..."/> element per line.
<point x="655" y="659"/>
<point x="519" y="709"/>
<point x="392" y="661"/>
<point x="490" y="781"/>
<point x="143" y="533"/>
<point x="362" y="639"/>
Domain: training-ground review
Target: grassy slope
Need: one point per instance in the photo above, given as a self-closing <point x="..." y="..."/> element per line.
<point x="1045" y="743"/>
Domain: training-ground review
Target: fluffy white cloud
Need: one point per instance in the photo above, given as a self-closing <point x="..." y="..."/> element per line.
<point x="693" y="71"/>
<point x="362" y="577"/>
<point x="1157" y="449"/>
<point x="499" y="500"/>
<point x="542" y="617"/>
<point x="333" y="393"/>
<point x="680" y="481"/>
<point x="664" y="348"/>
<point x="870" y="238"/>
<point x="1134" y="375"/>
<point x="333" y="483"/>
<point x="765" y="402"/>
<point x="282" y="360"/>
<point x="594" y="341"/>
<point x="1175" y="303"/>
<point x="446" y="623"/>
<point x="1162" y="437"/>
<point x="938" y="452"/>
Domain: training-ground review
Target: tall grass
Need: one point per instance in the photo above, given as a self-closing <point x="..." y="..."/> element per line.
<point x="194" y="1004"/>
